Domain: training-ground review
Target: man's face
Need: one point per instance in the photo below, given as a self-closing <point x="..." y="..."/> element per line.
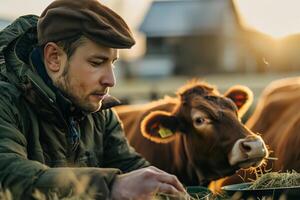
<point x="87" y="75"/>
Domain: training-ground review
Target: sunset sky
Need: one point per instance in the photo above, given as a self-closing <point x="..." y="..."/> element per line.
<point x="274" y="17"/>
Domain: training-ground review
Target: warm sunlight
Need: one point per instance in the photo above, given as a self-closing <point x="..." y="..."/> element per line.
<point x="277" y="18"/>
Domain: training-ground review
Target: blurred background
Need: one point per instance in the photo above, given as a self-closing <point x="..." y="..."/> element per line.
<point x="224" y="42"/>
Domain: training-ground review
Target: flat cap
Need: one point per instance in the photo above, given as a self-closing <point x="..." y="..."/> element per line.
<point x="64" y="19"/>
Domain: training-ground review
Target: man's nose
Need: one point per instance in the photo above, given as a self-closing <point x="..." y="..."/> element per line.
<point x="108" y="78"/>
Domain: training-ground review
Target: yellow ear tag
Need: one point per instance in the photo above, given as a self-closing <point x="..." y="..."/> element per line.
<point x="164" y="132"/>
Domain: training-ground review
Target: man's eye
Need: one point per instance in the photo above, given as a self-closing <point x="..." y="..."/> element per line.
<point x="95" y="64"/>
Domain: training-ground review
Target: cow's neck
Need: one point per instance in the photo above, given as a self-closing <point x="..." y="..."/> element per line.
<point x="183" y="167"/>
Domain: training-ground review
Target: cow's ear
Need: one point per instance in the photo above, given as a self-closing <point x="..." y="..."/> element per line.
<point x="242" y="96"/>
<point x="159" y="127"/>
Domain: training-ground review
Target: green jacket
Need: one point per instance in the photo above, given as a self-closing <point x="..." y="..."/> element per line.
<point x="35" y="152"/>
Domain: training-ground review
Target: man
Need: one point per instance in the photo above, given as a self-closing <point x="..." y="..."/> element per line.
<point x="58" y="135"/>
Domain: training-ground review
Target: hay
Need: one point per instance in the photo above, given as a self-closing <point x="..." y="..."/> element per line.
<point x="195" y="196"/>
<point x="276" y="180"/>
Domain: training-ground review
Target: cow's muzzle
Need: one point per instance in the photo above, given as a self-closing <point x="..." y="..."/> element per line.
<point x="248" y="152"/>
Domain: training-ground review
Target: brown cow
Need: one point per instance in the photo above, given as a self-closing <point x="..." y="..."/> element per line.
<point x="197" y="136"/>
<point x="277" y="118"/>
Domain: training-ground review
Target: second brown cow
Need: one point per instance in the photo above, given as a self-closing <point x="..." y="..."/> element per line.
<point x="277" y="118"/>
<point x="198" y="135"/>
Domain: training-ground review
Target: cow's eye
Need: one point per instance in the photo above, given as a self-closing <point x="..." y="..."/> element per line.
<point x="199" y="121"/>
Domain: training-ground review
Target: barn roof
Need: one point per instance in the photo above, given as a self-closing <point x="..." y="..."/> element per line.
<point x="185" y="17"/>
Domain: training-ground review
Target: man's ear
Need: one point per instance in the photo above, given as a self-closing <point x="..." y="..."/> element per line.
<point x="242" y="96"/>
<point x="52" y="57"/>
<point x="159" y="127"/>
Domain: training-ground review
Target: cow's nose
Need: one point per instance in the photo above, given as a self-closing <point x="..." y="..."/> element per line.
<point x="247" y="151"/>
<point x="253" y="148"/>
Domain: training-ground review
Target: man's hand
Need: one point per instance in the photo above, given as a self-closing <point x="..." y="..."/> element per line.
<point x="144" y="183"/>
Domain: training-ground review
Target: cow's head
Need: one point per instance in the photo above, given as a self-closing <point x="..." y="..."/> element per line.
<point x="214" y="138"/>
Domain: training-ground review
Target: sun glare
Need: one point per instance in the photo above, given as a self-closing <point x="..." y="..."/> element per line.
<point x="277" y="18"/>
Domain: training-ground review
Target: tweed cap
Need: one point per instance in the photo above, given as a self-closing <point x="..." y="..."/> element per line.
<point x="64" y="19"/>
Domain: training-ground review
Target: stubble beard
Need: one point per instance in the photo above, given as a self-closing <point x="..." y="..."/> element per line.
<point x="63" y="84"/>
